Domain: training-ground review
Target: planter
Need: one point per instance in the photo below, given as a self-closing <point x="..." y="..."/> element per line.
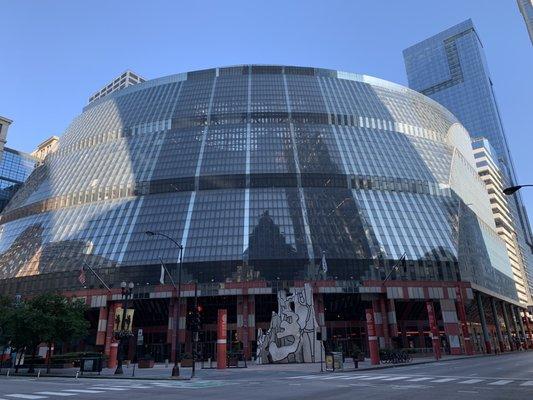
<point x="146" y="364"/>
<point x="186" y="362"/>
<point x="233" y="362"/>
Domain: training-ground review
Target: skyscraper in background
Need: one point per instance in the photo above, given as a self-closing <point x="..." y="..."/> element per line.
<point x="526" y="8"/>
<point x="450" y="67"/>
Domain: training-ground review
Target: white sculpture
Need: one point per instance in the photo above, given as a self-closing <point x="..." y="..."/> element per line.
<point x="292" y="333"/>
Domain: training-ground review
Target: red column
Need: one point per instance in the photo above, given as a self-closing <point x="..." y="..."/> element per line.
<point x="242" y="323"/>
<point x="112" y="360"/>
<point x="434" y="329"/>
<point x="451" y="325"/>
<point x="391" y="316"/>
<point x="222" y="335"/>
<point x="385" y="321"/>
<point x="372" y="338"/>
<point x="171" y="329"/>
<point x="469" y="349"/>
<point x="102" y="327"/>
<point x="378" y="323"/>
<point x="109" y="337"/>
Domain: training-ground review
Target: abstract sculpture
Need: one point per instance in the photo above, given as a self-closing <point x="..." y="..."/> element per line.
<point x="291" y="337"/>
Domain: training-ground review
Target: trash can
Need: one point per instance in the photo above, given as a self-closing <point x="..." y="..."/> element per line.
<point x="91" y="364"/>
<point x="338" y="363"/>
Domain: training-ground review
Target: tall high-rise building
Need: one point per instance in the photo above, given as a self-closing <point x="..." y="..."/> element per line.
<point x="526" y="8"/>
<point x="128" y="78"/>
<point x="489" y="170"/>
<point x="450" y="67"/>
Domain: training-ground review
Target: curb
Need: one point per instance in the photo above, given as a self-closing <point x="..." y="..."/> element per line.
<point x="166" y="378"/>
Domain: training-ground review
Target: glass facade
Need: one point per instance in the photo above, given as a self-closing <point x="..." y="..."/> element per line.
<point x="256" y="171"/>
<point x="15" y="167"/>
<point x="450" y="67"/>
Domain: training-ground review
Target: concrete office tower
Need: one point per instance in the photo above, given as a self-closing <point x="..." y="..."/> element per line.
<point x="450" y="67"/>
<point x="128" y="78"/>
<point x="526" y="8"/>
<point x="489" y="171"/>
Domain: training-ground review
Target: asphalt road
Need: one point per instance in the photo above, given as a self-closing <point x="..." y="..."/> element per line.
<point x="503" y="377"/>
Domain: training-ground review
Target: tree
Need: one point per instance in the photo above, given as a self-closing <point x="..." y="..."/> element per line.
<point x="49" y="318"/>
<point x="66" y="320"/>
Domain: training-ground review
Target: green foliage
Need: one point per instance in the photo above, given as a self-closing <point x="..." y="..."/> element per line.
<point x="48" y="318"/>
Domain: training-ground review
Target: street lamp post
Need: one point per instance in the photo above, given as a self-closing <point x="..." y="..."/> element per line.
<point x="177" y="357"/>
<point x="513" y="189"/>
<point x="122" y="334"/>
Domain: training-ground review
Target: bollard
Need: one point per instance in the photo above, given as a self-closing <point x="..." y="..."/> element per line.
<point x="38" y="373"/>
<point x="77" y="373"/>
<point x="209" y="361"/>
<point x="8" y="371"/>
<point x="166" y="362"/>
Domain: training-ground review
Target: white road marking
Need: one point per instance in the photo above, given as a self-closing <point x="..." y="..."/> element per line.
<point x="500" y="382"/>
<point x="527" y="383"/>
<point x="396" y="378"/>
<point x="108" y="388"/>
<point x="25" y="396"/>
<point x="355" y="377"/>
<point x="82" y="391"/>
<point x="444" y="380"/>
<point x="56" y="394"/>
<point x="471" y="381"/>
<point x="373" y="378"/>
<point x="420" y="379"/>
<point x="333" y="377"/>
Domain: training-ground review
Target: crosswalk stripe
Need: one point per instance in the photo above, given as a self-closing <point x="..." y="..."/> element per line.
<point x="82" y="391"/>
<point x="444" y="380"/>
<point x="334" y="377"/>
<point x="471" y="381"/>
<point x="500" y="382"/>
<point x="349" y="378"/>
<point x="108" y="388"/>
<point x="60" y="394"/>
<point x="396" y="378"/>
<point x="527" y="383"/>
<point x="420" y="379"/>
<point x="373" y="378"/>
<point x="307" y="377"/>
<point x="25" y="396"/>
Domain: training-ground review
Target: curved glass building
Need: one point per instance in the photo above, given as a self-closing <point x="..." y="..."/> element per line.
<point x="264" y="174"/>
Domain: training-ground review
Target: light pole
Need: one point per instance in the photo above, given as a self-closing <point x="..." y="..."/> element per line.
<point x="127" y="290"/>
<point x="513" y="189"/>
<point x="177" y="357"/>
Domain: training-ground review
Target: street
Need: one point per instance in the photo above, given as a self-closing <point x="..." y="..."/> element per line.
<point x="502" y="377"/>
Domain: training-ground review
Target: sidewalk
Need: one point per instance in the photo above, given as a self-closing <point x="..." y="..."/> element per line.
<point x="162" y="371"/>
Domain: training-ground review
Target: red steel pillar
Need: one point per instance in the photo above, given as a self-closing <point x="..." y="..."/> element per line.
<point x="372" y="338"/>
<point x="434" y="329"/>
<point x="469" y="349"/>
<point x="242" y="323"/>
<point x="171" y="329"/>
<point x="378" y="323"/>
<point x="111" y="346"/>
<point x="385" y="322"/>
<point x="391" y="316"/>
<point x="451" y="325"/>
<point x="222" y="336"/>
<point x="102" y="327"/>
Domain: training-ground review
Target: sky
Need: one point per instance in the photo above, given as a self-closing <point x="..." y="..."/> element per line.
<point x="55" y="54"/>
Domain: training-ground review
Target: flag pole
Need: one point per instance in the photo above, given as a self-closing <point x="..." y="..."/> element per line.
<point x="97" y="276"/>
<point x="168" y="273"/>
